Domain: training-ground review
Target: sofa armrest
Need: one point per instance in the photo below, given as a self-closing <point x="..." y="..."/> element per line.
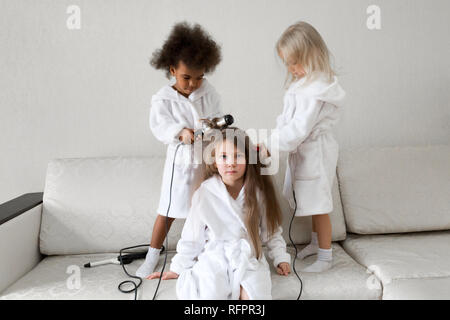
<point x="20" y="221"/>
<point x="15" y="207"/>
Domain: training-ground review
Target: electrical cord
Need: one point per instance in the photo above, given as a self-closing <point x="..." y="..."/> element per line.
<point x="295" y="248"/>
<point x="123" y="262"/>
<point x="167" y="218"/>
<point x="136" y="286"/>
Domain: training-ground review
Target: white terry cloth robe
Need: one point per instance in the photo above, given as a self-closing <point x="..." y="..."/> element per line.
<point x="304" y="129"/>
<point x="171" y="112"/>
<point x="214" y="255"/>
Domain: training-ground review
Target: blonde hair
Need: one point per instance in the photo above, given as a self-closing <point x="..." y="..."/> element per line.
<point x="254" y="182"/>
<point x="302" y="43"/>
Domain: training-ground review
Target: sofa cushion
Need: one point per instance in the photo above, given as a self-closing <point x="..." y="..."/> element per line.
<point x="400" y="257"/>
<point x="395" y="189"/>
<point x="346" y="280"/>
<point x="418" y="289"/>
<point x="53" y="278"/>
<point x="98" y="205"/>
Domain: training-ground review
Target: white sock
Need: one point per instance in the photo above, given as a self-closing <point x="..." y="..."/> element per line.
<point x="151" y="260"/>
<point x="311" y="248"/>
<point x="324" y="261"/>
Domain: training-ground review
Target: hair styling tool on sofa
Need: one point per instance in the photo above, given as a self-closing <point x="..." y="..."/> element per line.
<point x="295" y="248"/>
<point x="136" y="286"/>
<point x="124" y="259"/>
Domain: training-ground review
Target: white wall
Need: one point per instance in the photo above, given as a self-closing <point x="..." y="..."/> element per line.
<point x="86" y="93"/>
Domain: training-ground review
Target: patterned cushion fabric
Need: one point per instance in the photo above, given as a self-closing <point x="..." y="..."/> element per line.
<point x="100" y="205"/>
<point x="63" y="277"/>
<point x="418" y="289"/>
<point x="396" y="258"/>
<point x="395" y="189"/>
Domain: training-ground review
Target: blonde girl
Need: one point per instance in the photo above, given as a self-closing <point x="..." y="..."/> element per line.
<point x="311" y="109"/>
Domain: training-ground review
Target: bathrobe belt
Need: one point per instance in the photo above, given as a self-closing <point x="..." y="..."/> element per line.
<point x="239" y="256"/>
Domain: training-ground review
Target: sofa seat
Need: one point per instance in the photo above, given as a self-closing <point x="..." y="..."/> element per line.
<point x="49" y="280"/>
<point x="410" y="266"/>
<point x="418" y="289"/>
<point x="52" y="279"/>
<point x="346" y="280"/>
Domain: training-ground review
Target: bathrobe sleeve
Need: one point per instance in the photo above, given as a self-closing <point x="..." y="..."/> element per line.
<point x="193" y="238"/>
<point x="275" y="243"/>
<point x="163" y="124"/>
<point x="291" y="134"/>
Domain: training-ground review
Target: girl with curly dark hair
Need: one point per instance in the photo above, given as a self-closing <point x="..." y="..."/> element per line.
<point x="187" y="55"/>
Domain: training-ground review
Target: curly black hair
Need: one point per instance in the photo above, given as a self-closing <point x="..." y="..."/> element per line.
<point x="192" y="45"/>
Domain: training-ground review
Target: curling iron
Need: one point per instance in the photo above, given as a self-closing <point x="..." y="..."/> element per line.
<point x="121" y="259"/>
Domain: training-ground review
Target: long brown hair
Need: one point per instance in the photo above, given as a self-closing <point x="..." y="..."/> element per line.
<point x="254" y="182"/>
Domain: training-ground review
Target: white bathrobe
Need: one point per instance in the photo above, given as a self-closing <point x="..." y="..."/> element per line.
<point x="304" y="129"/>
<point x="214" y="255"/>
<point x="169" y="114"/>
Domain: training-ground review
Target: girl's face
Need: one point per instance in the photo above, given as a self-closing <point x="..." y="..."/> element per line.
<point x="230" y="162"/>
<point x="294" y="68"/>
<point x="187" y="80"/>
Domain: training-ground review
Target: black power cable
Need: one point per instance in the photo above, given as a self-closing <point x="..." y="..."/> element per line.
<point x="295" y="248"/>
<point x="136" y="286"/>
<point x="122" y="263"/>
<point x="167" y="218"/>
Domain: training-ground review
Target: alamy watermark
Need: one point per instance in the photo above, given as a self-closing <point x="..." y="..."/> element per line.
<point x="204" y="148"/>
<point x="373" y="21"/>
<point x="73" y="21"/>
<point x="73" y="282"/>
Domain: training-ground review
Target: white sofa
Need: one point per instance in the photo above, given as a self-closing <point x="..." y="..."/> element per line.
<point x="391" y="229"/>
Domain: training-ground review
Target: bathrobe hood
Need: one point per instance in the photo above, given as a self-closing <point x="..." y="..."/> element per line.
<point x="215" y="188"/>
<point x="169" y="93"/>
<point x="320" y="88"/>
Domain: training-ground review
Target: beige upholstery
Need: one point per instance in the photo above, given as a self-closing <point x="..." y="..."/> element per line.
<point x="54" y="278"/>
<point x="19" y="246"/>
<point x="396" y="259"/>
<point x="395" y="189"/>
<point x="418" y="289"/>
<point x="99" y="205"/>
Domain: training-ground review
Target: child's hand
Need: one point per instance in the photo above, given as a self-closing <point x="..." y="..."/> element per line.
<point x="186" y="136"/>
<point x="262" y="149"/>
<point x="166" y="275"/>
<point x="283" y="269"/>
